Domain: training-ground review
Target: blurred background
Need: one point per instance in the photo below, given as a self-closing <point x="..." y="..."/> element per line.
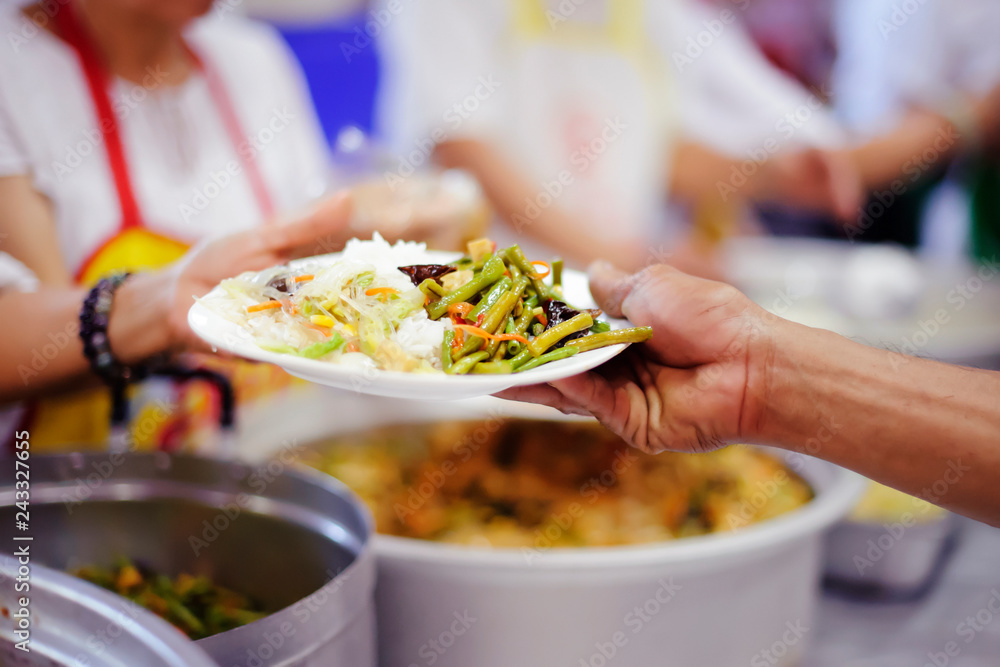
<point x="837" y="160"/>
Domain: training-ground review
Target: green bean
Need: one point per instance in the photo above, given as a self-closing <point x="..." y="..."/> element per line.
<point x="486" y="258"/>
<point x="498" y="289"/>
<point x="517" y="258"/>
<point x="520" y="285"/>
<point x="553" y="335"/>
<point x="466" y="364"/>
<point x="537" y="328"/>
<point x="554" y="355"/>
<point x="493" y="368"/>
<point x="515" y="272"/>
<point x="594" y="341"/>
<point x="522" y="357"/>
<point x="449" y="338"/>
<point x="531" y="302"/>
<point x="557" y="269"/>
<point x="600" y="327"/>
<point x="521" y="324"/>
<point x="492" y="320"/>
<point x="432" y="288"/>
<point x="492" y="272"/>
<point x="495" y="345"/>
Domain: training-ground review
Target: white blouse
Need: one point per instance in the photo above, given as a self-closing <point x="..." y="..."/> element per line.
<point x="179" y="154"/>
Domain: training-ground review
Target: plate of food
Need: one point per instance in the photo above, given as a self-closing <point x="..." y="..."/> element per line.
<point x="404" y="321"/>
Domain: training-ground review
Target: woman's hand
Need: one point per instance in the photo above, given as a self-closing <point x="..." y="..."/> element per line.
<point x="695" y="385"/>
<point x="149" y="300"/>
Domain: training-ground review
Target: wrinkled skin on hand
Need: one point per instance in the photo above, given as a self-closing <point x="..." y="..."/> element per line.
<point x="695" y="386"/>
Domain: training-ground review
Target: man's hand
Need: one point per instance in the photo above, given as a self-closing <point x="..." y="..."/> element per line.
<point x="695" y="386"/>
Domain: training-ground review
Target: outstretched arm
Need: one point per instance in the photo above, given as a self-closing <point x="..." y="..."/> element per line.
<point x="41" y="348"/>
<point x="720" y="370"/>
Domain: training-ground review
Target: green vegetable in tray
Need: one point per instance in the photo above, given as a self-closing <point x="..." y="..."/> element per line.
<point x="195" y="605"/>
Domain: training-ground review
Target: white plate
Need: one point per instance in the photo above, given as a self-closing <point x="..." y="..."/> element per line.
<point x="230" y="337"/>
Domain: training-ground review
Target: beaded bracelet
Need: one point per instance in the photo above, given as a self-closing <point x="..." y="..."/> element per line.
<point x="94" y="317"/>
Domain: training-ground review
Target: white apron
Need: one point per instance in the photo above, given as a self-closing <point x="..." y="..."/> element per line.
<point x="591" y="116"/>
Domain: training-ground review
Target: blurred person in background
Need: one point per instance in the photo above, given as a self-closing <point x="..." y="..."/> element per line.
<point x="129" y="130"/>
<point x="581" y="118"/>
<point x="918" y="85"/>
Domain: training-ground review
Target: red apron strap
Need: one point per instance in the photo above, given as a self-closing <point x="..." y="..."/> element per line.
<point x="70" y="29"/>
<point x="231" y="121"/>
<point x="72" y="32"/>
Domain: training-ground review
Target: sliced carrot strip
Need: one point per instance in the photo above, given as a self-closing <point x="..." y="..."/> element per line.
<point x="381" y="290"/>
<point x="267" y="305"/>
<point x="459" y="310"/>
<point x="304" y="279"/>
<point x="544" y="320"/>
<point x="548" y="269"/>
<point x="482" y="333"/>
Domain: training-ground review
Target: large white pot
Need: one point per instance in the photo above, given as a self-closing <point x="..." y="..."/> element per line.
<point x="744" y="598"/>
<point x="730" y="599"/>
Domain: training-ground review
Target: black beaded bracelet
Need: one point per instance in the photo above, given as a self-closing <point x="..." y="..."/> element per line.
<point x="94" y="333"/>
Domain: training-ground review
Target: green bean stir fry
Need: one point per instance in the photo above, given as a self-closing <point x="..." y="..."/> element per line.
<point x="506" y="317"/>
<point x="195" y="605"/>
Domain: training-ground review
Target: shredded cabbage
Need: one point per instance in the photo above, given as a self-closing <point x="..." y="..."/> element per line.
<point x="359" y="302"/>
